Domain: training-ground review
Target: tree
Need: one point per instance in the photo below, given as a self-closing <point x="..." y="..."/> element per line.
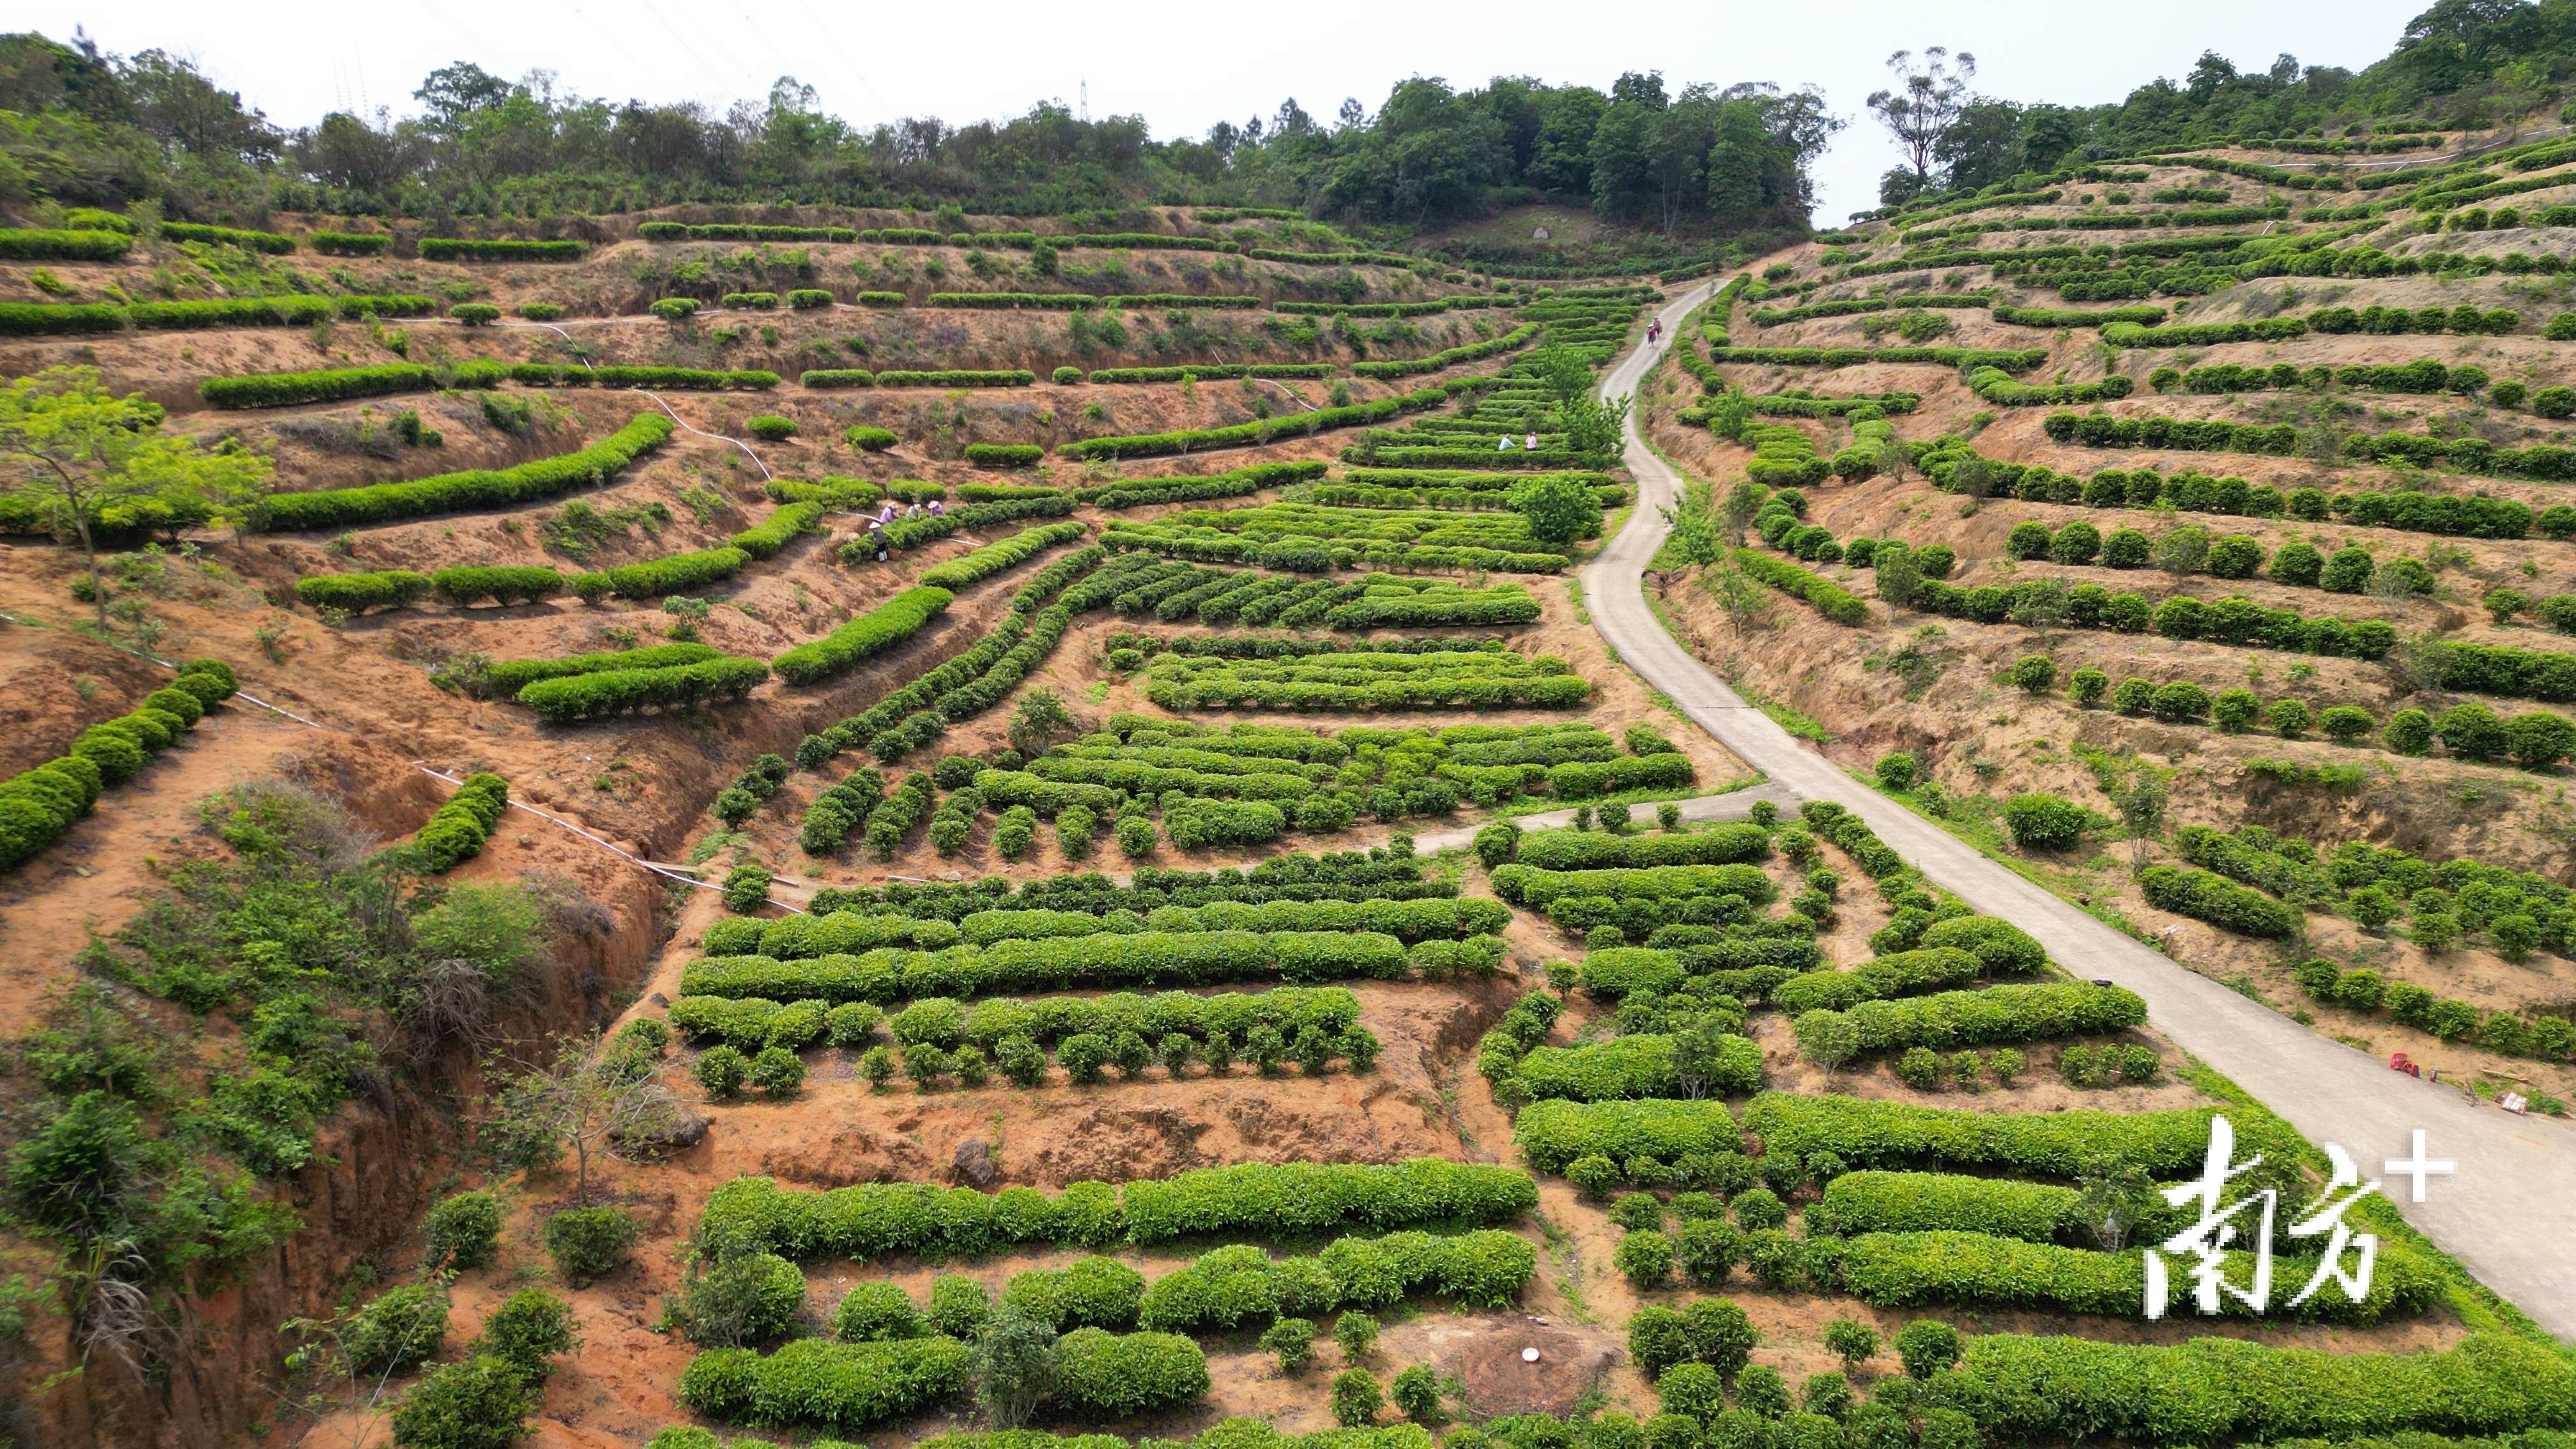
<point x="1899" y="574"/>
<point x="1829" y="1038"/>
<point x="89" y="462"/>
<point x="577" y="1098"/>
<point x="2142" y="810"/>
<point x="2112" y="1195"/>
<point x="1593" y="428"/>
<point x="1699" y="1051"/>
<point x="1016" y="1365"/>
<point x="1926" y="102"/>
<point x="1040" y="718"/>
<point x="1692" y="525"/>
<point x="1558" y="509"/>
<point x="1982" y="148"/>
<point x="1743" y="504"/>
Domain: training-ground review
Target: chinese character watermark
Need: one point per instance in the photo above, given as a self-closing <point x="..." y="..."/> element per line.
<point x="2219" y="1225"/>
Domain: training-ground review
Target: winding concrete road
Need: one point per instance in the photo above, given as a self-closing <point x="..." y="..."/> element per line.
<point x="2509" y="1211"/>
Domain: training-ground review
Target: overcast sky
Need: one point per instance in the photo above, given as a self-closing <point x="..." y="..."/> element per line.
<point x="1185" y="66"/>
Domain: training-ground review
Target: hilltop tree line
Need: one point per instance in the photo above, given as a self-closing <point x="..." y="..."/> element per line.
<point x="2462" y="63"/>
<point x="81" y="127"/>
<point x="85" y="128"/>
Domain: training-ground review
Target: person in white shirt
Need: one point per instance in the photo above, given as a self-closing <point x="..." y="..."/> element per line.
<point x="1503" y="444"/>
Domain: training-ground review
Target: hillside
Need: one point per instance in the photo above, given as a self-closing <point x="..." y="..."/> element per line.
<point x="709" y="825"/>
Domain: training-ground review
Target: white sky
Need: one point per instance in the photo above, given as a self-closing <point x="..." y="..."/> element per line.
<point x="1185" y="66"/>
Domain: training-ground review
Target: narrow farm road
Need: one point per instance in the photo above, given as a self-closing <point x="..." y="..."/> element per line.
<point x="2509" y="1211"/>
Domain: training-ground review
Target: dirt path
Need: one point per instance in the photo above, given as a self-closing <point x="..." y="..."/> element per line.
<point x="2508" y="1213"/>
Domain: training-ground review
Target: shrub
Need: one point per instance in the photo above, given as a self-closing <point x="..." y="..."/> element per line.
<point x="463" y="1230"/>
<point x="357" y="593"/>
<point x="1851" y="1341"/>
<point x="457" y="832"/>
<point x="588" y="1243"/>
<point x="1118" y="1376"/>
<point x="1927" y="1346"/>
<point x="2044" y="822"/>
<point x="739" y="1299"/>
<point x="1004" y="455"/>
<point x="1645" y="1258"/>
<point x="771" y="429"/>
<point x="1356" y="1398"/>
<point x="848" y="1387"/>
<point x="876" y="1312"/>
<point x="481" y="1403"/>
<point x="722" y="1071"/>
<point x="777" y="1072"/>
<point x="1416" y="1391"/>
<point x="1293" y="1340"/>
<point x="871" y="440"/>
<point x="400" y="1330"/>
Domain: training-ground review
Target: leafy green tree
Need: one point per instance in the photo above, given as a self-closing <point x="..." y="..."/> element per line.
<point x="570" y="1099"/>
<point x="1040" y="718"/>
<point x="1016" y="1366"/>
<point x="1557" y="508"/>
<point x="87" y="462"/>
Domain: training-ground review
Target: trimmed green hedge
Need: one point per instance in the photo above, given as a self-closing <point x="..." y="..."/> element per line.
<point x="656" y="577"/>
<point x="481" y="488"/>
<point x="2219" y="901"/>
<point x="468" y="249"/>
<point x="282" y="389"/>
<point x="350" y="243"/>
<point x="864" y="637"/>
<point x="507" y="677"/>
<point x="567" y="699"/>
<point x="358" y="593"/>
<point x="275" y="243"/>
<point x="741" y="231"/>
<point x="1554" y="1133"/>
<point x="1148" y="445"/>
<point x="1830" y="599"/>
<point x="53" y="319"/>
<point x="1905" y="1270"/>
<point x="1212" y="371"/>
<point x="1239" y="1287"/>
<point x="456" y="833"/>
<point x="1001" y="555"/>
<point x="1247" y="1200"/>
<point x="36" y="244"/>
<point x="1888" y="976"/>
<point x="1104" y="1375"/>
<point x="2059" y="1144"/>
<point x="1636" y="1066"/>
<point x="783" y="526"/>
<point x="1532" y="888"/>
<point x="1142" y="958"/>
<point x="844" y="1386"/>
<point x="2046" y="1011"/>
<point x="1004" y="455"/>
<point x="38" y="804"/>
<point x="1006" y="378"/>
<point x="1519" y="336"/>
<point x="2022" y="1390"/>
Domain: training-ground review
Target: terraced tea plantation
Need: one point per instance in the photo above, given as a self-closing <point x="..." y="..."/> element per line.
<point x="708" y="823"/>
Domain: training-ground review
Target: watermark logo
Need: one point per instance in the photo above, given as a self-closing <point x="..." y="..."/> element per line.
<point x="2220" y="1223"/>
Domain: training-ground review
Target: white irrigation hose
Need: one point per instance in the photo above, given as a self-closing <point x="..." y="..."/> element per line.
<point x="661" y="870"/>
<point x="765" y="474"/>
<point x="719" y="437"/>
